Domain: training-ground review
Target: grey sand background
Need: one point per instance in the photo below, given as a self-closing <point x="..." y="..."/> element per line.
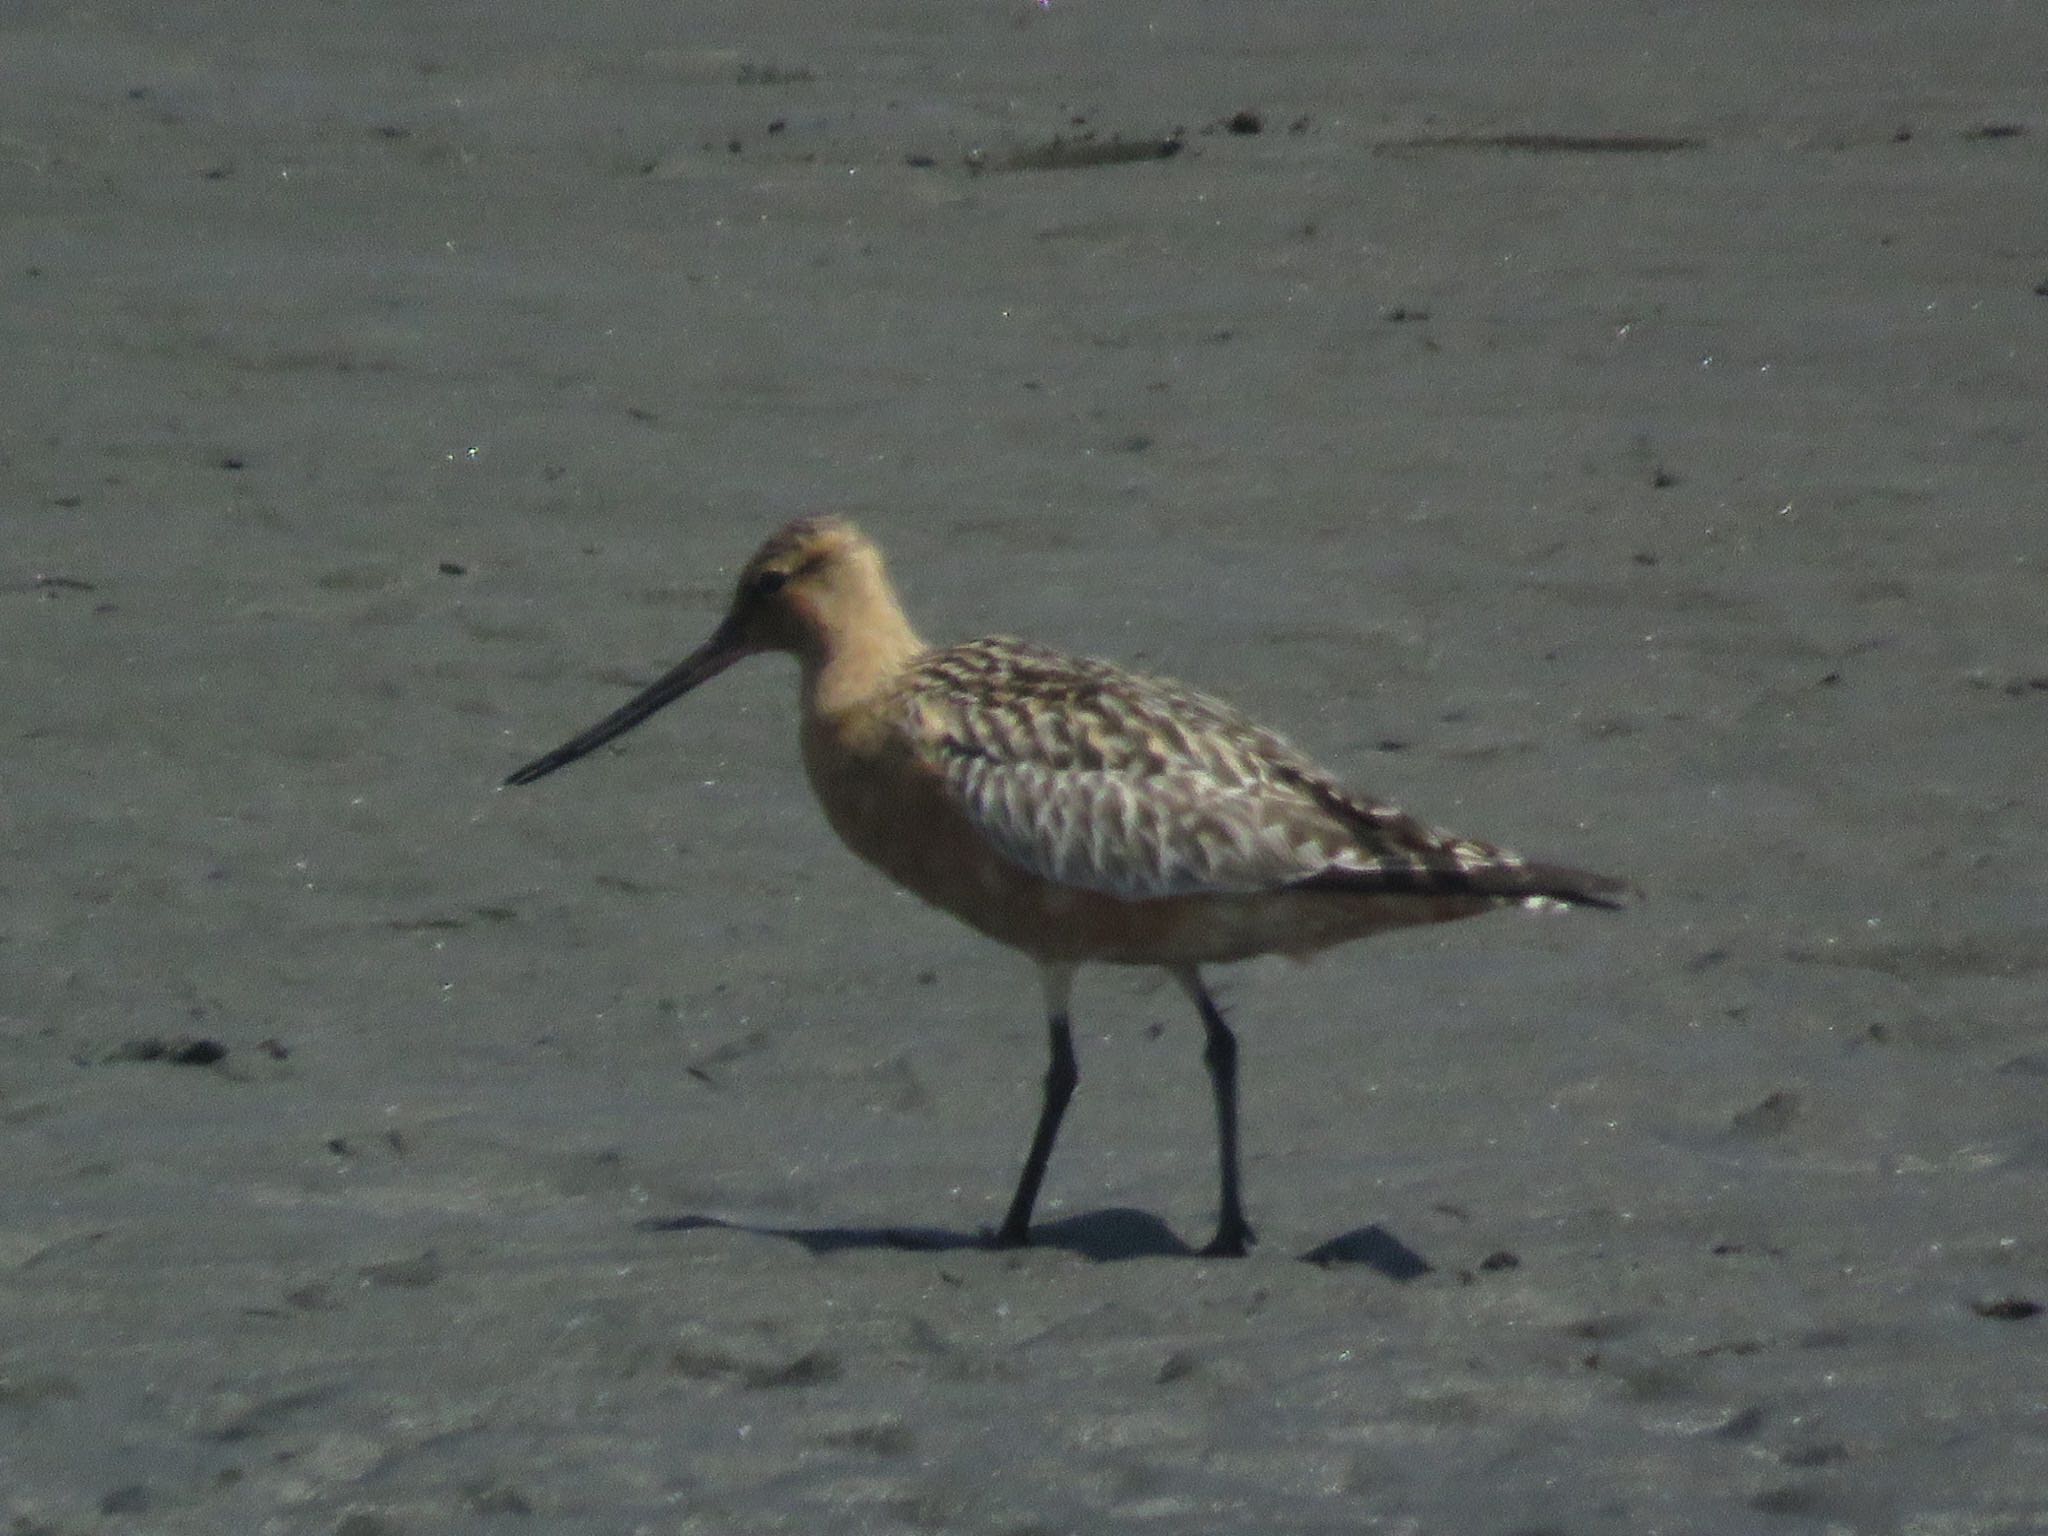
<point x="391" y="387"/>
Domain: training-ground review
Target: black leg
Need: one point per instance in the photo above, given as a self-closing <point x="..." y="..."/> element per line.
<point x="1233" y="1233"/>
<point x="1061" y="1074"/>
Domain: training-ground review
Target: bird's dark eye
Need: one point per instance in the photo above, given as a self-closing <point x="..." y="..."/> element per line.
<point x="768" y="583"/>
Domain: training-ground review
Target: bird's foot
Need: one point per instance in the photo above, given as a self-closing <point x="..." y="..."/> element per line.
<point x="1232" y="1241"/>
<point x="1011" y="1234"/>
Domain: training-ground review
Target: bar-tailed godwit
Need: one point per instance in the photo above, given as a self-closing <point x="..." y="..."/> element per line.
<point x="1079" y="812"/>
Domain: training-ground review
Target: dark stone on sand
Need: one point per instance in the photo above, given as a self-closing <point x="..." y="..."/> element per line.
<point x="178" y="1050"/>
<point x="1772" y="1117"/>
<point x="2007" y="1309"/>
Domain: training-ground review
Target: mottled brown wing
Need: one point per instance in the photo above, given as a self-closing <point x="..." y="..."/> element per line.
<point x="1098" y="778"/>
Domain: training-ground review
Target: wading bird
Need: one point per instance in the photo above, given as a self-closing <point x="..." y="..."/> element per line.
<point x="1079" y="812"/>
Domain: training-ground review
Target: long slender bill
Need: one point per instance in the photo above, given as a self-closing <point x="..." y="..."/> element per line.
<point x="725" y="647"/>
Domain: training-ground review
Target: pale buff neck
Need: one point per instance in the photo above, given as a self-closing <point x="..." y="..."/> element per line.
<point x="861" y="641"/>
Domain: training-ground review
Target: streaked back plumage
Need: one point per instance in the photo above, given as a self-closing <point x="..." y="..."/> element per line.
<point x="1098" y="778"/>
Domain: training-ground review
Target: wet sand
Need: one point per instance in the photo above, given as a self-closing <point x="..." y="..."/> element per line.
<point x="1617" y="434"/>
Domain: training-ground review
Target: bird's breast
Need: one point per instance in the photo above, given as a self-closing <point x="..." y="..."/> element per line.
<point x="883" y="803"/>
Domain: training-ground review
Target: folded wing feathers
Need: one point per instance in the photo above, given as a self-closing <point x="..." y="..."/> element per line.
<point x="1098" y="778"/>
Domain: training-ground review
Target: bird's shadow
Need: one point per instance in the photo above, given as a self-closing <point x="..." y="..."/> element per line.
<point x="1103" y="1237"/>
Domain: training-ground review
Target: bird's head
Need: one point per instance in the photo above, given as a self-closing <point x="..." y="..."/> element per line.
<point x="815" y="587"/>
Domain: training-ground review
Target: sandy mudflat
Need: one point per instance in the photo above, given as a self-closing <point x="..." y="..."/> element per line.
<point x="1614" y="429"/>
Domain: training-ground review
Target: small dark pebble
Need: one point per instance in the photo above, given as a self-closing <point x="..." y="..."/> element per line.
<point x="340" y="1146"/>
<point x="2007" y="1309"/>
<point x="312" y="1297"/>
<point x="1902" y="135"/>
<point x="453" y="568"/>
<point x="919" y="162"/>
<point x="180" y="1050"/>
<point x="231" y="462"/>
<point x="393" y="131"/>
<point x="1599" y="1329"/>
<point x="778" y="125"/>
<point x="1663" y="479"/>
<point x="1741" y="1424"/>
<point x="1644" y="557"/>
<point x="1770" y="1118"/>
<point x="1392" y="744"/>
<point x="1402" y="313"/>
<point x="1500" y="1259"/>
<point x="1736" y="1250"/>
<point x="1086" y="153"/>
<point x="1246" y="121"/>
<point x="2040" y="288"/>
<point x="1299" y="125"/>
<point x="1830" y="679"/>
<point x="130" y="1500"/>
<point x="1989" y="131"/>
<point x="733" y="146"/>
<point x="1176" y="1365"/>
<point x="274" y="1048"/>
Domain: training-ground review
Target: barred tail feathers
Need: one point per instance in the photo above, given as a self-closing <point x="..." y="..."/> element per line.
<point x="1504" y="879"/>
<point x="1574" y="887"/>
